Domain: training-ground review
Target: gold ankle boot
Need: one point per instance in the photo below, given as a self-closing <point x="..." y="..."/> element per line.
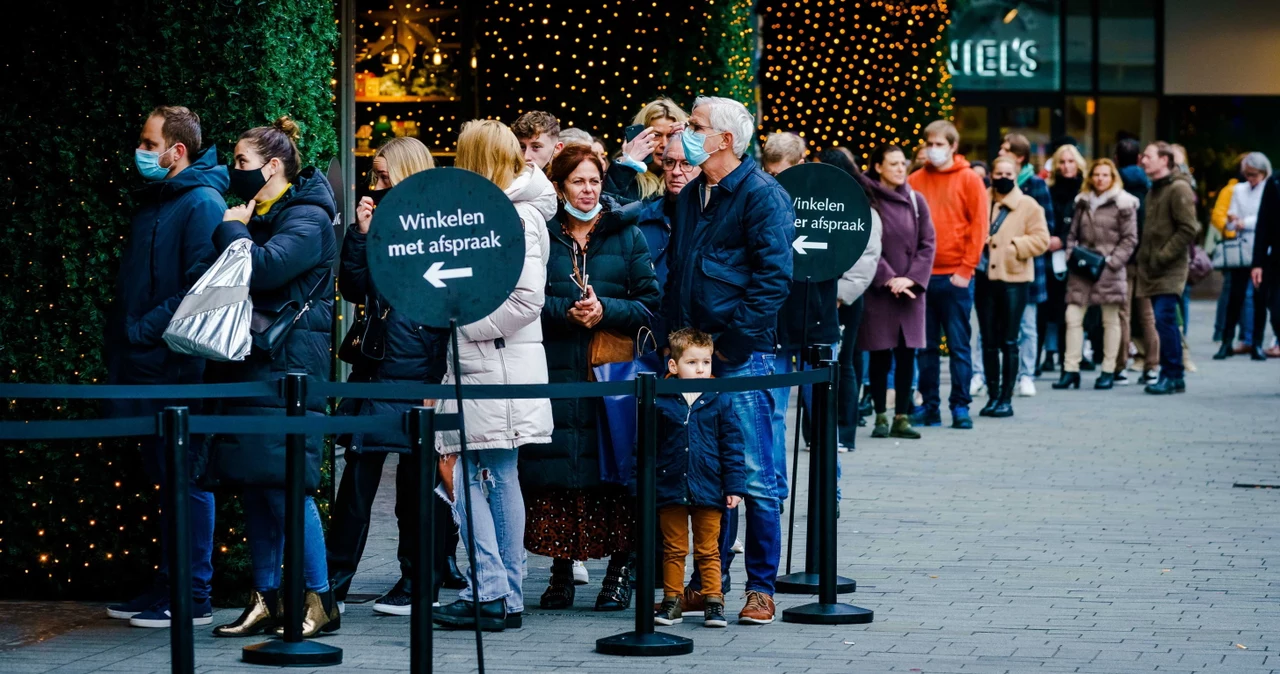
<point x="262" y="615"/>
<point x="315" y="619"/>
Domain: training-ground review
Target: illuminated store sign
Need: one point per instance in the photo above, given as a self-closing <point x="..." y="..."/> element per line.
<point x="1003" y="45"/>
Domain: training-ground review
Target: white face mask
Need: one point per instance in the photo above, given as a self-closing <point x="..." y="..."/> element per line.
<point x="938" y="156"/>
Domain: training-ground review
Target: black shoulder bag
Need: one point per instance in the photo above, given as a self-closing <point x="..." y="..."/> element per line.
<point x="366" y="340"/>
<point x="985" y="261"/>
<point x="270" y="329"/>
<point x="1086" y="263"/>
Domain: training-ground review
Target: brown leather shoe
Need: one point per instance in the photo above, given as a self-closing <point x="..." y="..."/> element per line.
<point x="759" y="609"/>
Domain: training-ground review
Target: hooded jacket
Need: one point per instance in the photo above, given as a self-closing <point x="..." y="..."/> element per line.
<point x="505" y="347"/>
<point x="960" y="208"/>
<point x="701" y="451"/>
<point x="293" y="250"/>
<point x="1108" y="224"/>
<point x="622" y="277"/>
<point x="170" y="245"/>
<point x="1170" y="229"/>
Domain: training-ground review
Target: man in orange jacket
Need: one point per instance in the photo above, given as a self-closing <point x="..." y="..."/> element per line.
<point x="961" y="209"/>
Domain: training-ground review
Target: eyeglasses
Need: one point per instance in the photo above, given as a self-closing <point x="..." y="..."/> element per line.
<point x="671" y="164"/>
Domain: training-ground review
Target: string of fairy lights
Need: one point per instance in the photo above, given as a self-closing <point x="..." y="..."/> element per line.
<point x="857" y="73"/>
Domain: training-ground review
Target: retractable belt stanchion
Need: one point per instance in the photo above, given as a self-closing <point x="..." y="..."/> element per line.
<point x="809" y="580"/>
<point x="805" y="361"/>
<point x="421" y="423"/>
<point x="828" y="610"/>
<point x="174" y="428"/>
<point x="644" y="640"/>
<point x="293" y="650"/>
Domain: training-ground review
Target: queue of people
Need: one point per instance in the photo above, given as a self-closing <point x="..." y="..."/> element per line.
<point x="683" y="235"/>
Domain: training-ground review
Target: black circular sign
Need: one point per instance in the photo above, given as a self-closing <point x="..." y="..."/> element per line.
<point x="833" y="220"/>
<point x="445" y="244"/>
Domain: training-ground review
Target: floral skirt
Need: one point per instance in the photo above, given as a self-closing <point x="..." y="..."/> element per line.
<point x="579" y="524"/>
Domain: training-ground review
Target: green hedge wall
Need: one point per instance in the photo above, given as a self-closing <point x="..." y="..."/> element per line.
<point x="78" y="519"/>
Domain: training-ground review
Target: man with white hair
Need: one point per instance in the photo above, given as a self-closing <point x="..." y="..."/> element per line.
<point x="729" y="272"/>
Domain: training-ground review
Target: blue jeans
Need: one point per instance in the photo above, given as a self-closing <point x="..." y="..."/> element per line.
<point x="202" y="509"/>
<point x="753" y="411"/>
<point x="497" y="512"/>
<point x="789" y="361"/>
<point x="1028" y="342"/>
<point x="264" y="528"/>
<point x="947" y="310"/>
<point x="1166" y="309"/>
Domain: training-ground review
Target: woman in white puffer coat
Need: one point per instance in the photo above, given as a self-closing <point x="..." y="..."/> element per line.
<point x="505" y="347"/>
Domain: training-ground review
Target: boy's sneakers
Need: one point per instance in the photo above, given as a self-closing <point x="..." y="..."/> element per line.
<point x="395" y="602"/>
<point x="138" y="604"/>
<point x="759" y="609"/>
<point x="713" y="613"/>
<point x="669" y="613"/>
<point x="158" y="615"/>
<point x="580" y="576"/>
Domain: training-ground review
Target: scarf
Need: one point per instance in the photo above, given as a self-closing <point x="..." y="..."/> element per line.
<point x="1025" y="173"/>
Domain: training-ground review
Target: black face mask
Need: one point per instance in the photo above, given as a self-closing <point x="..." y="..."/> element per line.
<point x="1002" y="185"/>
<point x="377" y="195"/>
<point x="246" y="183"/>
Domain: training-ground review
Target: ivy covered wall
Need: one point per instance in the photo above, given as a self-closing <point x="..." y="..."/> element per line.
<point x="78" y="519"/>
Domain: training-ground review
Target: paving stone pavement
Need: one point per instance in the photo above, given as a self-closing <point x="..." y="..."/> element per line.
<point x="1094" y="532"/>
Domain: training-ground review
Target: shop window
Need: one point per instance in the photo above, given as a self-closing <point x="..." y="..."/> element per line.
<point x="1081" y="116"/>
<point x="971" y="122"/>
<point x="1005" y="45"/>
<point x="1034" y="123"/>
<point x="1077" y="68"/>
<point x="1127" y="45"/>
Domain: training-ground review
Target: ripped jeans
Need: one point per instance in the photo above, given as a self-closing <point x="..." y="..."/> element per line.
<point x="497" y="510"/>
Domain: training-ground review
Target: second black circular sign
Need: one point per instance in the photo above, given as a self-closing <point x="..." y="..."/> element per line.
<point x="833" y="220"/>
<point x="445" y="244"/>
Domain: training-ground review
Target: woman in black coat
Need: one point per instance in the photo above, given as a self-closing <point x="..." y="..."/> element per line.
<point x="391" y="349"/>
<point x="288" y="216"/>
<point x="599" y="278"/>
<point x="1064" y="185"/>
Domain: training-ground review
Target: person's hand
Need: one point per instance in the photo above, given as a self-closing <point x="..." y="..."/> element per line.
<point x="364" y="215"/>
<point x="959" y="281"/>
<point x="242" y="212"/>
<point x="1256" y="275"/>
<point x="902" y="286"/>
<point x="429" y="402"/>
<point x="839" y="303"/>
<point x="590" y="309"/>
<point x="1055" y="243"/>
<point x="446" y="464"/>
<point x="732" y="502"/>
<point x="641" y="146"/>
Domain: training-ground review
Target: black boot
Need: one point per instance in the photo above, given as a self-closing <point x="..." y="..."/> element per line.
<point x="453" y="579"/>
<point x="1105" y="381"/>
<point x="1008" y="375"/>
<point x="615" y="589"/>
<point x="446" y="546"/>
<point x="1067" y="380"/>
<point x="462" y="615"/>
<point x="867" y="406"/>
<point x="991" y="363"/>
<point x="559" y="593"/>
<point x="1257" y="353"/>
<point x="1225" y="351"/>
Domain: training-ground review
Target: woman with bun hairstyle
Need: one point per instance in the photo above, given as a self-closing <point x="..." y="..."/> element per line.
<point x="287" y="215"/>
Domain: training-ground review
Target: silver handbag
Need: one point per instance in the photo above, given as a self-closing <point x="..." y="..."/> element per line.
<point x="213" y="319"/>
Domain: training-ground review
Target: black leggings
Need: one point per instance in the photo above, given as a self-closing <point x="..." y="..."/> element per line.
<point x="1000" y="306"/>
<point x="881" y="361"/>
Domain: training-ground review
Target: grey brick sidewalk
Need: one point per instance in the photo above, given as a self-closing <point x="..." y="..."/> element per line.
<point x="1094" y="532"/>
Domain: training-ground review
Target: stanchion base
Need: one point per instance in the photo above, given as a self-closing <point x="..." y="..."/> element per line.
<point x="655" y="644"/>
<point x="808" y="583"/>
<point x="828" y="614"/>
<point x="280" y="653"/>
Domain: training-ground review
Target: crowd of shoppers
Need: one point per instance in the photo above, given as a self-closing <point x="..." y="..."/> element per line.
<point x="686" y="236"/>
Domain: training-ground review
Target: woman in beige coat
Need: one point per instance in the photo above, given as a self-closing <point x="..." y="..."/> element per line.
<point x="1018" y="234"/>
<point x="1105" y="222"/>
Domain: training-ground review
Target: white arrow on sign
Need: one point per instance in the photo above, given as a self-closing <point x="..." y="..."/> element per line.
<point x="801" y="243"/>
<point x="436" y="274"/>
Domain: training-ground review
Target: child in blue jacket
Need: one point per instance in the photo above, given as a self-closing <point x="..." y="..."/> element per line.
<point x="701" y="471"/>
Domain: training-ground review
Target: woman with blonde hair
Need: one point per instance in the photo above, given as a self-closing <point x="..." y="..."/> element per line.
<point x="505" y="347"/>
<point x="1105" y="224"/>
<point x="1065" y="182"/>
<point x="400" y="351"/>
<point x="633" y="178"/>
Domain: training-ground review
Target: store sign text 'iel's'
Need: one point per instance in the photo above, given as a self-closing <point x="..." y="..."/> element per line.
<point x="994" y="58"/>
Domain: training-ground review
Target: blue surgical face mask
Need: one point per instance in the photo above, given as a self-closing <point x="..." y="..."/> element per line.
<point x="584" y="216"/>
<point x="694" y="144"/>
<point x="148" y="164"/>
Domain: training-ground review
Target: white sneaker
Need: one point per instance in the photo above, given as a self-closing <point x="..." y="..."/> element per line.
<point x="737" y="546"/>
<point x="977" y="386"/>
<point x="580" y="576"/>
<point x="1026" y="387"/>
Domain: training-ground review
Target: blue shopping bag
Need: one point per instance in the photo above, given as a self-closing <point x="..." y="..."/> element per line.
<point x="616" y="419"/>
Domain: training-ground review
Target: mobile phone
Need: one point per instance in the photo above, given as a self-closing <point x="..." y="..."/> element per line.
<point x="631" y="132"/>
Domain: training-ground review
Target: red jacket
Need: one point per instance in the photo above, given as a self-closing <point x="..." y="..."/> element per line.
<point x="960" y="207"/>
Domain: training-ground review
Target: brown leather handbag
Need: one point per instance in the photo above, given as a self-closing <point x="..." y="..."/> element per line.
<point x="608" y="346"/>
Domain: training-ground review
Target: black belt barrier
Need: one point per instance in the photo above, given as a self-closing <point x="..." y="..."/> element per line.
<point x="175" y="425"/>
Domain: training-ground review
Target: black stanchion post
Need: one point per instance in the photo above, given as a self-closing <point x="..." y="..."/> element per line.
<point x="293" y="651"/>
<point x="421" y="427"/>
<point x="466" y="492"/>
<point x="174" y="427"/>
<point x="795" y="453"/>
<point x="828" y="610"/>
<point x="809" y="580"/>
<point x="644" y="640"/>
